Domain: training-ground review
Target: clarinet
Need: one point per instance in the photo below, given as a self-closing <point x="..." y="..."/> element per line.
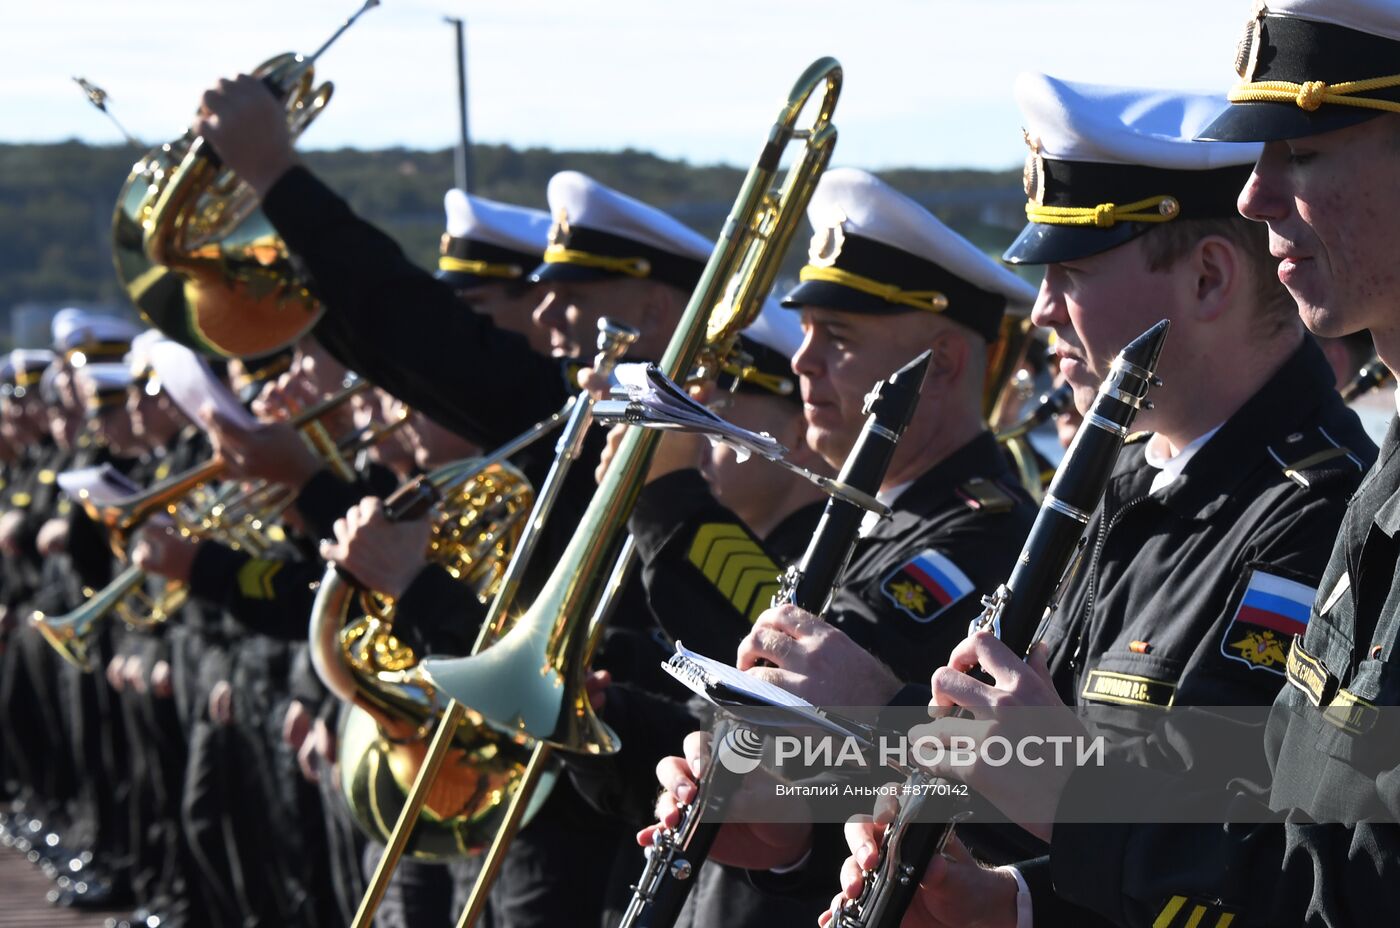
<point x="909" y="845"/>
<point x="1373" y="374"/>
<point x="675" y="856"/>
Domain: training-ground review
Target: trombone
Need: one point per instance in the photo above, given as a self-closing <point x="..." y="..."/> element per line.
<point x="529" y="683"/>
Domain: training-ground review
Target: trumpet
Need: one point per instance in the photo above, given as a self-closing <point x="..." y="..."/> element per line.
<point x="528" y="683"/>
<point x="240" y="526"/>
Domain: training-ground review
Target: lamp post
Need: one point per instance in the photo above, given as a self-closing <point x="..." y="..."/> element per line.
<point x="464" y="149"/>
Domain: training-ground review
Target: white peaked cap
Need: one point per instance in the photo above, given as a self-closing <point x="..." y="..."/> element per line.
<point x="1072" y="121"/>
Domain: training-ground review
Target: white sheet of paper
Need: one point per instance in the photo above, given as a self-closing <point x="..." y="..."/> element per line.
<point x="102" y="485"/>
<point x="192" y="385"/>
<point x="715" y="672"/>
<point x="646" y="385"/>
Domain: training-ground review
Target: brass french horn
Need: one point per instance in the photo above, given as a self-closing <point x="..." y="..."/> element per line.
<point x="195" y="254"/>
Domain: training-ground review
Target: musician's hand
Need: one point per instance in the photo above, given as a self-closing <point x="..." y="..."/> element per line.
<point x="381" y="555"/>
<point x="296" y="390"/>
<point x="135" y="673"/>
<point x="247" y="126"/>
<point x="814" y="660"/>
<point x="269" y="451"/>
<point x="675" y="451"/>
<point x="1020" y="704"/>
<point x="317" y="754"/>
<point x="221" y="703"/>
<point x="596" y="685"/>
<point x="296" y="724"/>
<point x="52" y="538"/>
<point x="752" y="846"/>
<point x="116" y="673"/>
<point x="598" y="386"/>
<point x="11" y="528"/>
<point x="161" y="683"/>
<point x="954" y="890"/>
<point x="161" y="549"/>
<point x="1017" y="683"/>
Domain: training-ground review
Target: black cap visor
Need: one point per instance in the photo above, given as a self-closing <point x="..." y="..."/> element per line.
<point x="564" y="273"/>
<point x="1275" y="122"/>
<point x="1042" y="243"/>
<point x="458" y="280"/>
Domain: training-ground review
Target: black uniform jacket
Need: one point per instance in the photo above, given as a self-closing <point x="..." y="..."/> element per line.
<point x="396" y="324"/>
<point x="1333" y="855"/>
<point x="1186" y="596"/>
<point x="406" y="331"/>
<point x="1167" y="606"/>
<point x="916" y="580"/>
<point x="707" y="576"/>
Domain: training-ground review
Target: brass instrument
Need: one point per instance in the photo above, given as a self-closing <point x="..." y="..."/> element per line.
<point x="516" y="779"/>
<point x="478" y="508"/>
<point x="193" y="251"/>
<point x="1008" y="385"/>
<point x="528" y="684"/>
<point x="198" y="511"/>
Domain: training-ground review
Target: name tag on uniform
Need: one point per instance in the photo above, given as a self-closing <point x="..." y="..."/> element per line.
<point x="1338" y="591"/>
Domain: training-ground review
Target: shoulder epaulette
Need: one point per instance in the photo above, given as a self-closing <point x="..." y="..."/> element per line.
<point x="983" y="495"/>
<point x="1135" y="437"/>
<point x="1309" y="457"/>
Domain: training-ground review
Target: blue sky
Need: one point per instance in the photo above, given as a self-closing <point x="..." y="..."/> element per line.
<point x="927" y="83"/>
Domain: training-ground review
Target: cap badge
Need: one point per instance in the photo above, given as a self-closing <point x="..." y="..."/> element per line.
<point x="559" y="231"/>
<point x="1247" y="52"/>
<point x="1033" y="174"/>
<point x="827" y="243"/>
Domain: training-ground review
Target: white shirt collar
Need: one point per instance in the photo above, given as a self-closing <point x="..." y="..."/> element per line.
<point x="1170" y="467"/>
<point x="871" y="519"/>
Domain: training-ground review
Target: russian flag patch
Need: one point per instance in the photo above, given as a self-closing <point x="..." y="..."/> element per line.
<point x="1272" y="611"/>
<point x="926" y="585"/>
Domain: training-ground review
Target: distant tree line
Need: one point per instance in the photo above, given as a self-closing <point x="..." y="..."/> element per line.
<point x="56" y="202"/>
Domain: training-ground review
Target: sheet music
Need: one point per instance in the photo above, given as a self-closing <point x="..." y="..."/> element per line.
<point x="701" y="673"/>
<point x="725" y="685"/>
<point x="103" y="485"/>
<point x="192" y="384"/>
<point x="664" y="401"/>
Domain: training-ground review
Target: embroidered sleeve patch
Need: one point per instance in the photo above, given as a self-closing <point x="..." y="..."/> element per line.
<point x="1181" y="912"/>
<point x="1273" y="610"/>
<point x="925" y="585"/>
<point x="1127" y="689"/>
<point x="736" y="566"/>
<point x="255" y="579"/>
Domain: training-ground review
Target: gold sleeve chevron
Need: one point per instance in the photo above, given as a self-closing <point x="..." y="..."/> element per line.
<point x="736" y="566"/>
<point x="255" y="578"/>
<point x="1180" y="912"/>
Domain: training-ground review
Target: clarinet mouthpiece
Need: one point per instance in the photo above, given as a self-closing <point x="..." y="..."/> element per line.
<point x="1144" y="350"/>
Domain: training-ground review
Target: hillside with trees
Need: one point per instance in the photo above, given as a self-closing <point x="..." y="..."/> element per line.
<point x="56" y="202"/>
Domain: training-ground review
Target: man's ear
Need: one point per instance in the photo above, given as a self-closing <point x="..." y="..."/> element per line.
<point x="1217" y="269"/>
<point x="949" y="358"/>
